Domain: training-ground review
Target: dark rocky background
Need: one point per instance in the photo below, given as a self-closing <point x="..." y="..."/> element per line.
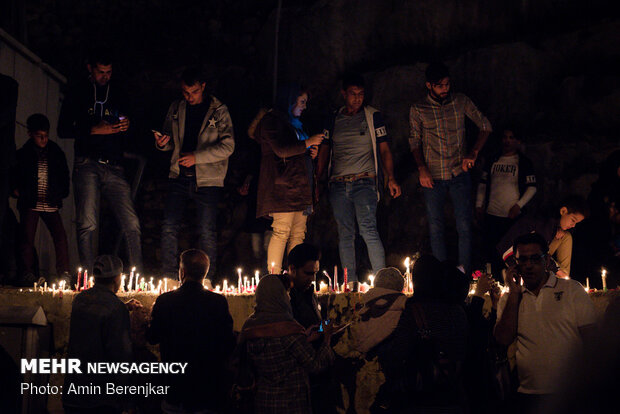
<point x="551" y="65"/>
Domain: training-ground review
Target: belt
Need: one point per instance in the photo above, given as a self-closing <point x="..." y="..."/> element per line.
<point x="353" y="177"/>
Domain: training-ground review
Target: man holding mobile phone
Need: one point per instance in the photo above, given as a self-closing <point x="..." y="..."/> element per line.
<point x="94" y="114"/>
<point x="550" y="318"/>
<point x="199" y="132"/>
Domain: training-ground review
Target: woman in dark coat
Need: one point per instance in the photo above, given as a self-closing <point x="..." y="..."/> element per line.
<point x="285" y="182"/>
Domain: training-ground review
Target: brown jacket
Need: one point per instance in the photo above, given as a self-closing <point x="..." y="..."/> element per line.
<point x="284" y="181"/>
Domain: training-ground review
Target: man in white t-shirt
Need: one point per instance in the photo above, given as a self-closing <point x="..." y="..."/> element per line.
<point x="550" y="318"/>
<point x="507" y="184"/>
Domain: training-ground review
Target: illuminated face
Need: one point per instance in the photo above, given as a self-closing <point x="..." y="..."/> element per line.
<point x="510" y="143"/>
<point x="569" y="220"/>
<point x="193" y="94"/>
<point x="532" y="265"/>
<point x="101" y="74"/>
<point x="299" y="105"/>
<point x="353" y="98"/>
<point x="40" y="138"/>
<point x="303" y="276"/>
<point x="440" y="89"/>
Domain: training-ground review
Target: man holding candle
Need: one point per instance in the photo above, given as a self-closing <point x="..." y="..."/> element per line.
<point x="550" y="318"/>
<point x="438" y="144"/>
<point x="192" y="324"/>
<point x="199" y="132"/>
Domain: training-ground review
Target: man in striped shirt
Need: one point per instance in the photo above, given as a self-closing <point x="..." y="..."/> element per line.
<point x="40" y="182"/>
<point x="437" y="140"/>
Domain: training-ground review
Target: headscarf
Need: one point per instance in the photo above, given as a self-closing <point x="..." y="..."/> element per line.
<point x="286" y="97"/>
<point x="273" y="314"/>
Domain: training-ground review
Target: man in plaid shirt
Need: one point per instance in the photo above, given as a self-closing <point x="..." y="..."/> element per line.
<point x="437" y="140"/>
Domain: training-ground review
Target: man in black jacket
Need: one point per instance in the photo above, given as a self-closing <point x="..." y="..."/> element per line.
<point x="193" y="325"/>
<point x="94" y="113"/>
<point x="40" y="181"/>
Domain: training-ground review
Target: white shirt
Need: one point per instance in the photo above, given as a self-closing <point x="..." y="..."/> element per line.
<point x="548" y="332"/>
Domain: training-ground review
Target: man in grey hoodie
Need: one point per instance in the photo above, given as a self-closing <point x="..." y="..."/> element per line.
<point x="199" y="131"/>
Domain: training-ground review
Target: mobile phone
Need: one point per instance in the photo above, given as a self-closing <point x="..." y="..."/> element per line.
<point x="321" y="325"/>
<point x="159" y="134"/>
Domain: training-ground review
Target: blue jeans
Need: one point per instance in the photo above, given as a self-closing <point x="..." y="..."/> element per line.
<point x="356" y="200"/>
<point x="182" y="190"/>
<point x="91" y="180"/>
<point x="459" y="188"/>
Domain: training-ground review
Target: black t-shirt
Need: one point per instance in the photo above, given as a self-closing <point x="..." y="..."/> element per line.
<point x="194" y="117"/>
<point x="87" y="105"/>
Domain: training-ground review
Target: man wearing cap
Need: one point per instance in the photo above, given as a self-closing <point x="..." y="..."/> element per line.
<point x="437" y="140"/>
<point x="193" y="325"/>
<point x="99" y="332"/>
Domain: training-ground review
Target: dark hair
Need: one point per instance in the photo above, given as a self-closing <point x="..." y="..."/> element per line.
<point x="105" y="281"/>
<point x="428" y="278"/>
<point x="576" y="204"/>
<point x="436" y="71"/>
<point x="100" y="55"/>
<point x="37" y="122"/>
<point x="352" y="79"/>
<point x="195" y="264"/>
<point x="531" y="238"/>
<point x="302" y="254"/>
<point x="193" y="75"/>
<point x="516" y="130"/>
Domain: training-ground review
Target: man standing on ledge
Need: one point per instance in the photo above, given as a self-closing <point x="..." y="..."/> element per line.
<point x="360" y="160"/>
<point x="438" y="144"/>
<point x="202" y="141"/>
<point x="94" y="112"/>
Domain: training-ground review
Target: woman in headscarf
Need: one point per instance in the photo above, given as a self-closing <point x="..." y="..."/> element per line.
<point x="279" y="350"/>
<point x="382" y="307"/>
<point x="286" y="174"/>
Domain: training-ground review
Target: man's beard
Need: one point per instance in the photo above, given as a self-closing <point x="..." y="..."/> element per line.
<point x="439" y="98"/>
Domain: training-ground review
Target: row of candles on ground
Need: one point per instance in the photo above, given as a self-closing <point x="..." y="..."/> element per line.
<point x="246" y="285"/>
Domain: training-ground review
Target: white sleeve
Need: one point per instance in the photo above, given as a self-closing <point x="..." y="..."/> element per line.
<point x="527" y="196"/>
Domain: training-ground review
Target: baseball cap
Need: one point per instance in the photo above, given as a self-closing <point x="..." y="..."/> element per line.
<point x="107" y="266"/>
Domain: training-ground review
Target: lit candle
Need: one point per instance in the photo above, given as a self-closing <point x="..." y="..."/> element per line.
<point x="604" y="279"/>
<point x="587" y="284"/>
<point x="329" y="283"/>
<point x="54" y="289"/>
<point x="122" y="282"/>
<point x="225" y="286"/>
<point x="246" y="284"/>
<point x="408" y="275"/>
<point x="159" y="287"/>
<point x="152" y="285"/>
<point x="130" y="284"/>
<point x="78" y="278"/>
<point x="239" y="281"/>
<point x="91" y="282"/>
<point x="323" y="287"/>
<point x="257" y="277"/>
<point x="345" y="288"/>
<point x="372" y="280"/>
<point x="45" y="286"/>
<point x="133" y="269"/>
<point x="165" y="284"/>
<point x="335" y="281"/>
<point x="142" y="284"/>
<point x="137" y="281"/>
<point x="273" y="265"/>
<point x="85" y="282"/>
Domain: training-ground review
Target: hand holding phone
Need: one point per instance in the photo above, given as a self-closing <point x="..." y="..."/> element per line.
<point x="512" y="278"/>
<point x="160" y="138"/>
